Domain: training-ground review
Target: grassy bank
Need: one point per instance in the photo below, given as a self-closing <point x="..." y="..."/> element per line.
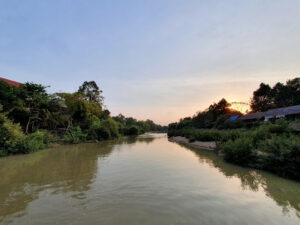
<point x="273" y="147"/>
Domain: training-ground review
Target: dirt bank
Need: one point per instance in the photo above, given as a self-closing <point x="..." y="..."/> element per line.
<point x="207" y="145"/>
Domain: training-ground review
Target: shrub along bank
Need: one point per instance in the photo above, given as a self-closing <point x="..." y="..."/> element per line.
<point x="273" y="147"/>
<point x="30" y="118"/>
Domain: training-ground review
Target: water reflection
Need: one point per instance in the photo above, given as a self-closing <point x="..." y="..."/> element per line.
<point x="65" y="169"/>
<point x="286" y="193"/>
<point x="143" y="180"/>
<point x="137" y="139"/>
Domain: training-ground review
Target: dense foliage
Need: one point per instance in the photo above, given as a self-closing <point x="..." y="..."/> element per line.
<point x="13" y="140"/>
<point x="30" y="118"/>
<point x="281" y="95"/>
<point x="216" y="116"/>
<point x="273" y="147"/>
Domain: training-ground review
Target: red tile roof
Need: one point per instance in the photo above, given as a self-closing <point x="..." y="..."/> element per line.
<point x="10" y="82"/>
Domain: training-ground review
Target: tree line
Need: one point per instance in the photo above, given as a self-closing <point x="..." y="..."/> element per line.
<point x="280" y="95"/>
<point x="30" y="117"/>
<point x="264" y="98"/>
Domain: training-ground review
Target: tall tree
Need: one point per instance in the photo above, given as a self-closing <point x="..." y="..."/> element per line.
<point x="293" y="88"/>
<point x="91" y="92"/>
<point x="262" y="98"/>
<point x="220" y="108"/>
<point x="26" y="104"/>
<point x="281" y="95"/>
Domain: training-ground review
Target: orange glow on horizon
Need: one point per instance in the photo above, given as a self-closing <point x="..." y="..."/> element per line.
<point x="240" y="106"/>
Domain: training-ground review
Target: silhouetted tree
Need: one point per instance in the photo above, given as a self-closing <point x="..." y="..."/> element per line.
<point x="261" y="100"/>
<point x="281" y="95"/>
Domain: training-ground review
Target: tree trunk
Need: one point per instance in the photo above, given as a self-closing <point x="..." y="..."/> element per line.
<point x="27" y="125"/>
<point x="70" y="131"/>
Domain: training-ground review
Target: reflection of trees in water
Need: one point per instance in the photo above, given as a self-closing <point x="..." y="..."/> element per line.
<point x="69" y="168"/>
<point x="286" y="193"/>
<point x="138" y="139"/>
<point x="66" y="169"/>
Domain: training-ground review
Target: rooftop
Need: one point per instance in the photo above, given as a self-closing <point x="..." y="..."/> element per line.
<point x="284" y="111"/>
<point x="10" y="82"/>
<point x="290" y="110"/>
<point x="251" y="116"/>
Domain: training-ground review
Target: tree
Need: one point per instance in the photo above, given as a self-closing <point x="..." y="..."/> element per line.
<point x="281" y="95"/>
<point x="91" y="92"/>
<point x="220" y="108"/>
<point x="129" y="121"/>
<point x="293" y="89"/>
<point x="9" y="96"/>
<point x="120" y="118"/>
<point x="58" y="115"/>
<point x="33" y="107"/>
<point x="10" y="134"/>
<point x="76" y="106"/>
<point x="262" y="98"/>
<point x="105" y="114"/>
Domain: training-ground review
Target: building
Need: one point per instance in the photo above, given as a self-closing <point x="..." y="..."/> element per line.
<point x="290" y="112"/>
<point x="251" y="117"/>
<point x="10" y="82"/>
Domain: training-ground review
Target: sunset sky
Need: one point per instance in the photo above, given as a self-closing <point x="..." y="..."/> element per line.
<point x="153" y="59"/>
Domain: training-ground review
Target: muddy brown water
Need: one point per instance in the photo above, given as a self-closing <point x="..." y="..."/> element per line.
<point x="143" y="180"/>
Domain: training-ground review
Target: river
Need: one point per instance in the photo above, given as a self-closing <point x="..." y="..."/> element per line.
<point x="143" y="180"/>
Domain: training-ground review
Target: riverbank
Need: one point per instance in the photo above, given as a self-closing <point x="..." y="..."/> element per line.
<point x="267" y="146"/>
<point x="206" y="145"/>
<point x="140" y="178"/>
<point x="31" y="119"/>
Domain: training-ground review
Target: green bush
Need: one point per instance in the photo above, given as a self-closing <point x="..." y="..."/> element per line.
<point x="208" y="135"/>
<point x="13" y="140"/>
<point x="92" y="119"/>
<point x="3" y="152"/>
<point x="257" y="134"/>
<point x="47" y="137"/>
<point x="281" y="154"/>
<point x="102" y="130"/>
<point x="103" y="133"/>
<point x="79" y="134"/>
<point x="230" y="135"/>
<point x="192" y="138"/>
<point x="121" y="128"/>
<point x="112" y="126"/>
<point x="10" y="135"/>
<point x="236" y="124"/>
<point x="132" y="130"/>
<point x="32" y="142"/>
<point x="221" y="120"/>
<point x="239" y="151"/>
<point x="92" y="131"/>
<point x="280" y="126"/>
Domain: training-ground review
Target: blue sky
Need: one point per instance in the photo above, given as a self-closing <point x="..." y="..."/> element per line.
<point x="158" y="59"/>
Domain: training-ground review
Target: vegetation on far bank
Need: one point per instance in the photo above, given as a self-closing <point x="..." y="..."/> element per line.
<point x="273" y="147"/>
<point x="264" y="145"/>
<point x="30" y="118"/>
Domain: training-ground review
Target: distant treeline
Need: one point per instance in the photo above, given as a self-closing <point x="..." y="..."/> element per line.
<point x="30" y="118"/>
<point x="264" y="98"/>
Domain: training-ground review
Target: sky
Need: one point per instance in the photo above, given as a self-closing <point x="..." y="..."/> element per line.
<point x="153" y="59"/>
